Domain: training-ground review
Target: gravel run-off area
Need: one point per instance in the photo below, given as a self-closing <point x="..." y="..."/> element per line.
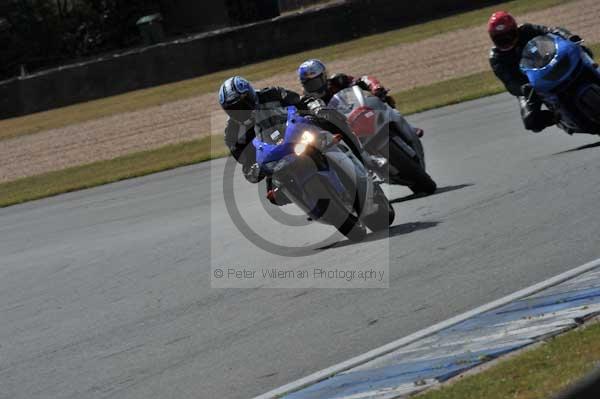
<point x="450" y="55"/>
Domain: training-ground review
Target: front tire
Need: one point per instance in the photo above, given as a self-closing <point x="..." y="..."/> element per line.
<point x="342" y="219"/>
<point x="589" y="104"/>
<point x="353" y="229"/>
<point x="385" y="215"/>
<point x="412" y="171"/>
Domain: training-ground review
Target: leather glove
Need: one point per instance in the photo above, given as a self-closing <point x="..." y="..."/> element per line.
<point x="575" y="39"/>
<point x="313" y="104"/>
<point x="380" y="92"/>
<point x="253" y="173"/>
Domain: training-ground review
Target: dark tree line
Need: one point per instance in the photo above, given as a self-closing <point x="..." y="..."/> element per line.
<point x="44" y="33"/>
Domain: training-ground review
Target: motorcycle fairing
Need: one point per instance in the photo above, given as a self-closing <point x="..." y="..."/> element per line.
<point x="552" y="72"/>
<point x="549" y="61"/>
<point x="300" y="171"/>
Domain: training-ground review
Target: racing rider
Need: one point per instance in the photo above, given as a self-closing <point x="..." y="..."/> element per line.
<point x="313" y="77"/>
<point x="250" y="111"/>
<point x="509" y="39"/>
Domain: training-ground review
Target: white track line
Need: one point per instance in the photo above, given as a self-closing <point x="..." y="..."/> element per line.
<point x="392" y="346"/>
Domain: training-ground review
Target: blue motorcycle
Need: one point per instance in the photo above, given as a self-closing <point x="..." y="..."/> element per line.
<point x="317" y="172"/>
<point x="567" y="80"/>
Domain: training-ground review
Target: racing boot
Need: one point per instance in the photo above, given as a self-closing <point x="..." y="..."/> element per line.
<point x="275" y="195"/>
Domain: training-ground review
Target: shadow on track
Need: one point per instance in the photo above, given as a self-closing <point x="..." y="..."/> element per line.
<point x="584" y="147"/>
<point x="440" y="190"/>
<point x="394" y="231"/>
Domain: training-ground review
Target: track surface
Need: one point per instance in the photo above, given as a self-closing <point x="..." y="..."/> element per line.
<point x="106" y="292"/>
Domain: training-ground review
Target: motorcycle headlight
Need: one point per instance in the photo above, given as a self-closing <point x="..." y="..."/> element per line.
<point x="306" y="139"/>
<point x="300" y="148"/>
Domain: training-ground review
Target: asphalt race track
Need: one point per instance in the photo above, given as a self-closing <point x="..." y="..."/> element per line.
<point x="105" y="293"/>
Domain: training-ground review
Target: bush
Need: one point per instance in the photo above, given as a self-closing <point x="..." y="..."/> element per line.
<point x="47" y="33"/>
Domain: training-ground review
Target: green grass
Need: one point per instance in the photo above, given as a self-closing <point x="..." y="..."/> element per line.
<point x="534" y="374"/>
<point x="416" y="100"/>
<point x="141" y="99"/>
<point x="172" y="156"/>
<point x="103" y="172"/>
<point x="448" y="92"/>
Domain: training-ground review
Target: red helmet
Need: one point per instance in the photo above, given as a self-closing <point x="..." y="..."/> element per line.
<point x="503" y="30"/>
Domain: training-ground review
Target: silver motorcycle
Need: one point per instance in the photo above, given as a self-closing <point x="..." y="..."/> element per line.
<point x="385" y="133"/>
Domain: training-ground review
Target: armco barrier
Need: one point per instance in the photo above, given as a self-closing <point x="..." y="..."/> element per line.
<point x="213" y="51"/>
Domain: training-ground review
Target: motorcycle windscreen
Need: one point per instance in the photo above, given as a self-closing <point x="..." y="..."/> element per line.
<point x="271" y="125"/>
<point x="564" y="58"/>
<point x="538" y="53"/>
<point x="345" y="101"/>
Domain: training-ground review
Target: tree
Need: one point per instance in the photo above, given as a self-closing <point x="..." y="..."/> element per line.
<point x="47" y="33"/>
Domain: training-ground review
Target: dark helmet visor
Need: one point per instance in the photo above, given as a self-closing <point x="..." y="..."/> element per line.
<point x="506" y="40"/>
<point x="315" y="85"/>
<point x="241" y="110"/>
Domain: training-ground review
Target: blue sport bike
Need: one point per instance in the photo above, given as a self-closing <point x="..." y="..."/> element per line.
<point x="567" y="80"/>
<point x="317" y="172"/>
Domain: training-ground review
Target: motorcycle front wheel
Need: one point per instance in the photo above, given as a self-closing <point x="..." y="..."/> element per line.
<point x="411" y="171"/>
<point x="385" y="215"/>
<point x="335" y="213"/>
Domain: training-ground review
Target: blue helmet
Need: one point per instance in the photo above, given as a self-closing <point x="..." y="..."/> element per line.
<point x="313" y="77"/>
<point x="238" y="98"/>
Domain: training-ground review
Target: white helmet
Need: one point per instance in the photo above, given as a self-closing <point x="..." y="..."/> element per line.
<point x="238" y="98"/>
<point x="313" y="77"/>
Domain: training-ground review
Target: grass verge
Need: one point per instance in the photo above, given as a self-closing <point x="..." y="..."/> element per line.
<point x="141" y="99"/>
<point x="172" y="156"/>
<point x="103" y="172"/>
<point x="448" y="92"/>
<point x="534" y="374"/>
<point x="143" y="163"/>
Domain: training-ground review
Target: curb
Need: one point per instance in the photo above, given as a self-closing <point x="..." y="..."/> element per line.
<point x="398" y="344"/>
